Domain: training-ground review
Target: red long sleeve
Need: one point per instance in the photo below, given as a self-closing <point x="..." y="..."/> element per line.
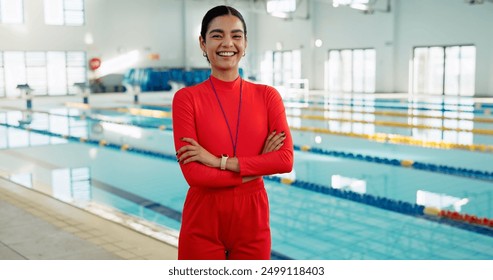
<point x="198" y="115"/>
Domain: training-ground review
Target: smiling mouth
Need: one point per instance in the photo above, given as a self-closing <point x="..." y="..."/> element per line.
<point x="226" y="54"/>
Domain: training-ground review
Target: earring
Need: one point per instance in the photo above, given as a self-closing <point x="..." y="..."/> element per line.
<point x="204" y="54"/>
<point x="244" y="53"/>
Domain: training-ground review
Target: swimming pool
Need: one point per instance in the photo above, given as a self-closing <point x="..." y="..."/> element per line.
<point x="308" y="222"/>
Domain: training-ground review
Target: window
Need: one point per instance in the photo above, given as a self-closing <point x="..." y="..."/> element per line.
<point x="72" y="184"/>
<point x="36" y="72"/>
<point x="64" y="12"/>
<point x="444" y="70"/>
<point x="279" y="68"/>
<point x="47" y="73"/>
<point x="11" y="11"/>
<point x="451" y="117"/>
<point x="76" y="70"/>
<point x="15" y="72"/>
<point x="281" y="8"/>
<point x="2" y="76"/>
<point x="350" y="70"/>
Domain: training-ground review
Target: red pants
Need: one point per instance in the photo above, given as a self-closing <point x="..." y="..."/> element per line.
<point x="226" y="223"/>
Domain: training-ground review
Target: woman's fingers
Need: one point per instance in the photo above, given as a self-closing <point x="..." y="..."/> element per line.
<point x="184" y="149"/>
<point x="194" y="152"/>
<point x="193" y="145"/>
<point x="272" y="134"/>
<point x="270" y="139"/>
<point x="190" y="140"/>
<point x="186" y="155"/>
<point x="279" y="139"/>
<point x="272" y="143"/>
<point x="190" y="159"/>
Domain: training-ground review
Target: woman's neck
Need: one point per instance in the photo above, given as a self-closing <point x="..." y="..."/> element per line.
<point x="227" y="76"/>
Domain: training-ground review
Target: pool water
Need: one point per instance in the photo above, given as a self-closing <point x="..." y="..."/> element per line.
<point x="147" y="183"/>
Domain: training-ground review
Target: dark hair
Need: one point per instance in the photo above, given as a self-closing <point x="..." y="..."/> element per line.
<point x="217" y="12"/>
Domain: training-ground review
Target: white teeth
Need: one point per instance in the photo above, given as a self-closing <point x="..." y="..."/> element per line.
<point x="226" y="53"/>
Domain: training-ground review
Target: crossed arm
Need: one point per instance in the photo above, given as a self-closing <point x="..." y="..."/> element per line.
<point x="194" y="152"/>
<point x="201" y="168"/>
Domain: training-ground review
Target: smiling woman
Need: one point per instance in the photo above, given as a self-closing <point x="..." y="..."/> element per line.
<point x="228" y="133"/>
<point x="224" y="42"/>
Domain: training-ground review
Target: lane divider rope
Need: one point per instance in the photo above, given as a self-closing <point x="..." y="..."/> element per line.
<point x="377" y="137"/>
<point x="391" y="114"/>
<point x="458" y="220"/>
<point x="438" y="168"/>
<point x="393" y="124"/>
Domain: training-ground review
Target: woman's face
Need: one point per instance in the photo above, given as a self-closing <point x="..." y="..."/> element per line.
<point x="225" y="43"/>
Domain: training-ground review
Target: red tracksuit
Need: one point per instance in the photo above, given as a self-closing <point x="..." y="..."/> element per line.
<point x="221" y="214"/>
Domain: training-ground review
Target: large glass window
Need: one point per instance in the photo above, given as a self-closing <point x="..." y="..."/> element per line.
<point x="11" y="11"/>
<point x="281" y="6"/>
<point x="2" y="76"/>
<point x="64" y="12"/>
<point x="279" y="68"/>
<point x="72" y="184"/>
<point x="15" y="72"/>
<point x="47" y="73"/>
<point x="350" y="70"/>
<point x="36" y="75"/>
<point x="444" y="70"/>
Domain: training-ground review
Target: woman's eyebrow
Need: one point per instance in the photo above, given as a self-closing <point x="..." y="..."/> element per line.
<point x="216" y="30"/>
<point x="222" y="31"/>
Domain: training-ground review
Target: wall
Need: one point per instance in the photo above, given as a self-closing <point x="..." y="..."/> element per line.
<point x="346" y="28"/>
<point x="445" y="22"/>
<point x="34" y="35"/>
<point x="293" y="34"/>
<point x="170" y="28"/>
<point x="150" y="26"/>
<point x="409" y="24"/>
<point x="117" y="26"/>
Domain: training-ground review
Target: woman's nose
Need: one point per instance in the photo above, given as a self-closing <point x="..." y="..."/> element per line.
<point x="227" y="42"/>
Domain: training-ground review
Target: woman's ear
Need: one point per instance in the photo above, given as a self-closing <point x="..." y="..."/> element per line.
<point x="202" y="43"/>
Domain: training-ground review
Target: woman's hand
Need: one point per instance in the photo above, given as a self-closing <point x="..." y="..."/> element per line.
<point x="195" y="152"/>
<point x="273" y="142"/>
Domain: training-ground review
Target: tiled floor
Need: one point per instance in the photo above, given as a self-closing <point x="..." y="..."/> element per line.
<point x="37" y="227"/>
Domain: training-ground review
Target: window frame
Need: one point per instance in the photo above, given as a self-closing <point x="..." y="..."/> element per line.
<point x="64" y="10"/>
<point x="347" y="81"/>
<point x="22" y="17"/>
<point x="68" y="74"/>
<point x="443" y="92"/>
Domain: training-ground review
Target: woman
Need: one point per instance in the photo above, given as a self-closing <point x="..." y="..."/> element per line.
<point x="228" y="133"/>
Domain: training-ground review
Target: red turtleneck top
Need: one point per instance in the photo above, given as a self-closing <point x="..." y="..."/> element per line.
<point x="198" y="115"/>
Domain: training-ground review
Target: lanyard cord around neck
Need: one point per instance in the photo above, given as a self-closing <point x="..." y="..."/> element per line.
<point x="235" y="142"/>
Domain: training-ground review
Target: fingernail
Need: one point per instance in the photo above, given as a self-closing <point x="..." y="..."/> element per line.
<point x="181" y="138"/>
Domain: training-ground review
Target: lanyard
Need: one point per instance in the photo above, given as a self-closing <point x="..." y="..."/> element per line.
<point x="234" y="142"/>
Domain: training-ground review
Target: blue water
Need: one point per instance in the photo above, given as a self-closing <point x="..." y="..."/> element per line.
<point x="305" y="224"/>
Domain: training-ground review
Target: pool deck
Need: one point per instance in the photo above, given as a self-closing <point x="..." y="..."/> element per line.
<point x="35" y="226"/>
